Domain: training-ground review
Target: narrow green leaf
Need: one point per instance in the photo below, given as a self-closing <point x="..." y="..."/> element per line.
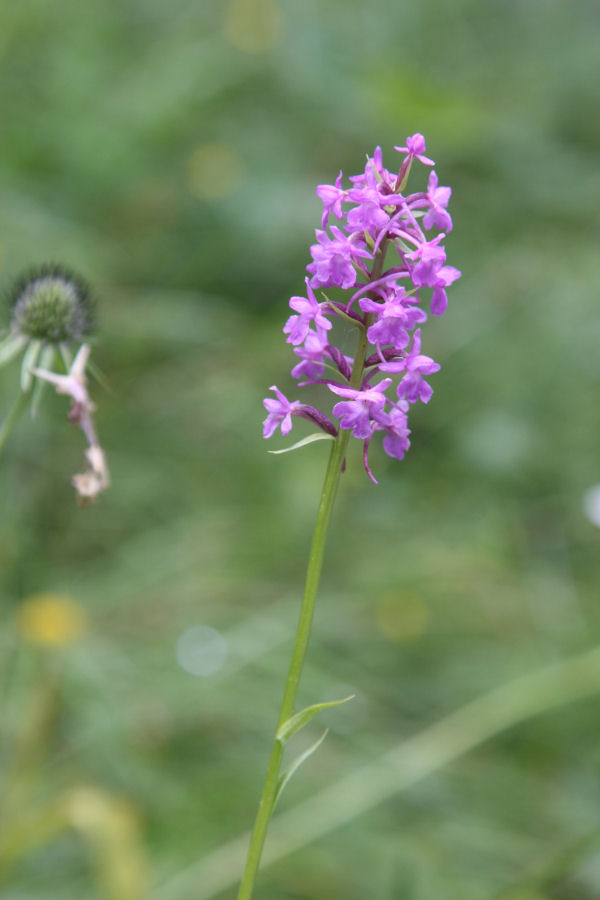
<point x="46" y="362"/>
<point x="317" y="436"/>
<point x="10" y="347"/>
<point x="67" y="356"/>
<point x="30" y="358"/>
<point x="341" y="313"/>
<point x="299" y="720"/>
<point x="402" y="245"/>
<point x="335" y="371"/>
<point x="100" y="377"/>
<point x="285" y="776"/>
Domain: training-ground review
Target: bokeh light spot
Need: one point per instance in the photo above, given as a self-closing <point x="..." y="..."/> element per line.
<point x="51" y="619"/>
<point x="402" y="617"/>
<point x="591" y="504"/>
<point x="214" y="170"/>
<point x="499" y="441"/>
<point x="253" y="25"/>
<point x="201" y="650"/>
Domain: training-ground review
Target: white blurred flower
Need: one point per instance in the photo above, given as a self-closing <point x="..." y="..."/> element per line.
<point x="95" y="478"/>
<point x="591" y="504"/>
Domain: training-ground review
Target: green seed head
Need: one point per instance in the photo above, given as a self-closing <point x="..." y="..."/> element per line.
<point x="51" y="304"/>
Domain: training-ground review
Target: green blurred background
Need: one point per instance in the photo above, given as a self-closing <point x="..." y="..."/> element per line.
<point x="170" y="152"/>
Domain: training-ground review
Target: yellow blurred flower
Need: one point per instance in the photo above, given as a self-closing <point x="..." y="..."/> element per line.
<point x="214" y="170"/>
<point x="402" y="617"/>
<point x="53" y="620"/>
<point x="253" y="25"/>
<point x="111" y="828"/>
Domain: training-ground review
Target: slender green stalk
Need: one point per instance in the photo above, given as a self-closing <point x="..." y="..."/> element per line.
<point x="313" y="575"/>
<point x="12" y="417"/>
<point x="311" y="586"/>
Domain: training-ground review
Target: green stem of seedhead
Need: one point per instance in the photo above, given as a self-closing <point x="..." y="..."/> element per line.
<point x="12" y="417"/>
<point x="313" y="575"/>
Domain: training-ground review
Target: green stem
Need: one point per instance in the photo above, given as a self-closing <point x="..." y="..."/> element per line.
<point x="313" y="575"/>
<point x="12" y="417"/>
<point x="315" y="563"/>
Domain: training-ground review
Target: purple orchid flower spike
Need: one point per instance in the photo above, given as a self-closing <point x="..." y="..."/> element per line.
<point x="415" y="148"/>
<point x="280" y="413"/>
<point x="332" y="197"/>
<point x="439" y="300"/>
<point x="437" y="215"/>
<point x="430" y="258"/>
<point x="312" y="355"/>
<point x="376" y="220"/>
<point x="309" y="310"/>
<point x="396" y="442"/>
<point x="367" y="215"/>
<point x="395" y="318"/>
<point x="413" y="386"/>
<point x="362" y="407"/>
<point x="334" y="259"/>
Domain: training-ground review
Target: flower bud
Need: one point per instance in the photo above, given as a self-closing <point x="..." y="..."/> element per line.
<point x="51" y="304"/>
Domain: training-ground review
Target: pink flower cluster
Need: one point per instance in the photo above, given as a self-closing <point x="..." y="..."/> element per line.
<point x="387" y="250"/>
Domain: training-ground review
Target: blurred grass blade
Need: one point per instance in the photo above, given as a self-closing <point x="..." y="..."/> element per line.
<point x="397" y="770"/>
<point x="300" y="719"/>
<point x="10" y="347"/>
<point x="287" y="774"/>
<point x="97" y="373"/>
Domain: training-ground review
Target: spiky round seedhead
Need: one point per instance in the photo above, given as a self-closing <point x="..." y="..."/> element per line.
<point x="51" y="303"/>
